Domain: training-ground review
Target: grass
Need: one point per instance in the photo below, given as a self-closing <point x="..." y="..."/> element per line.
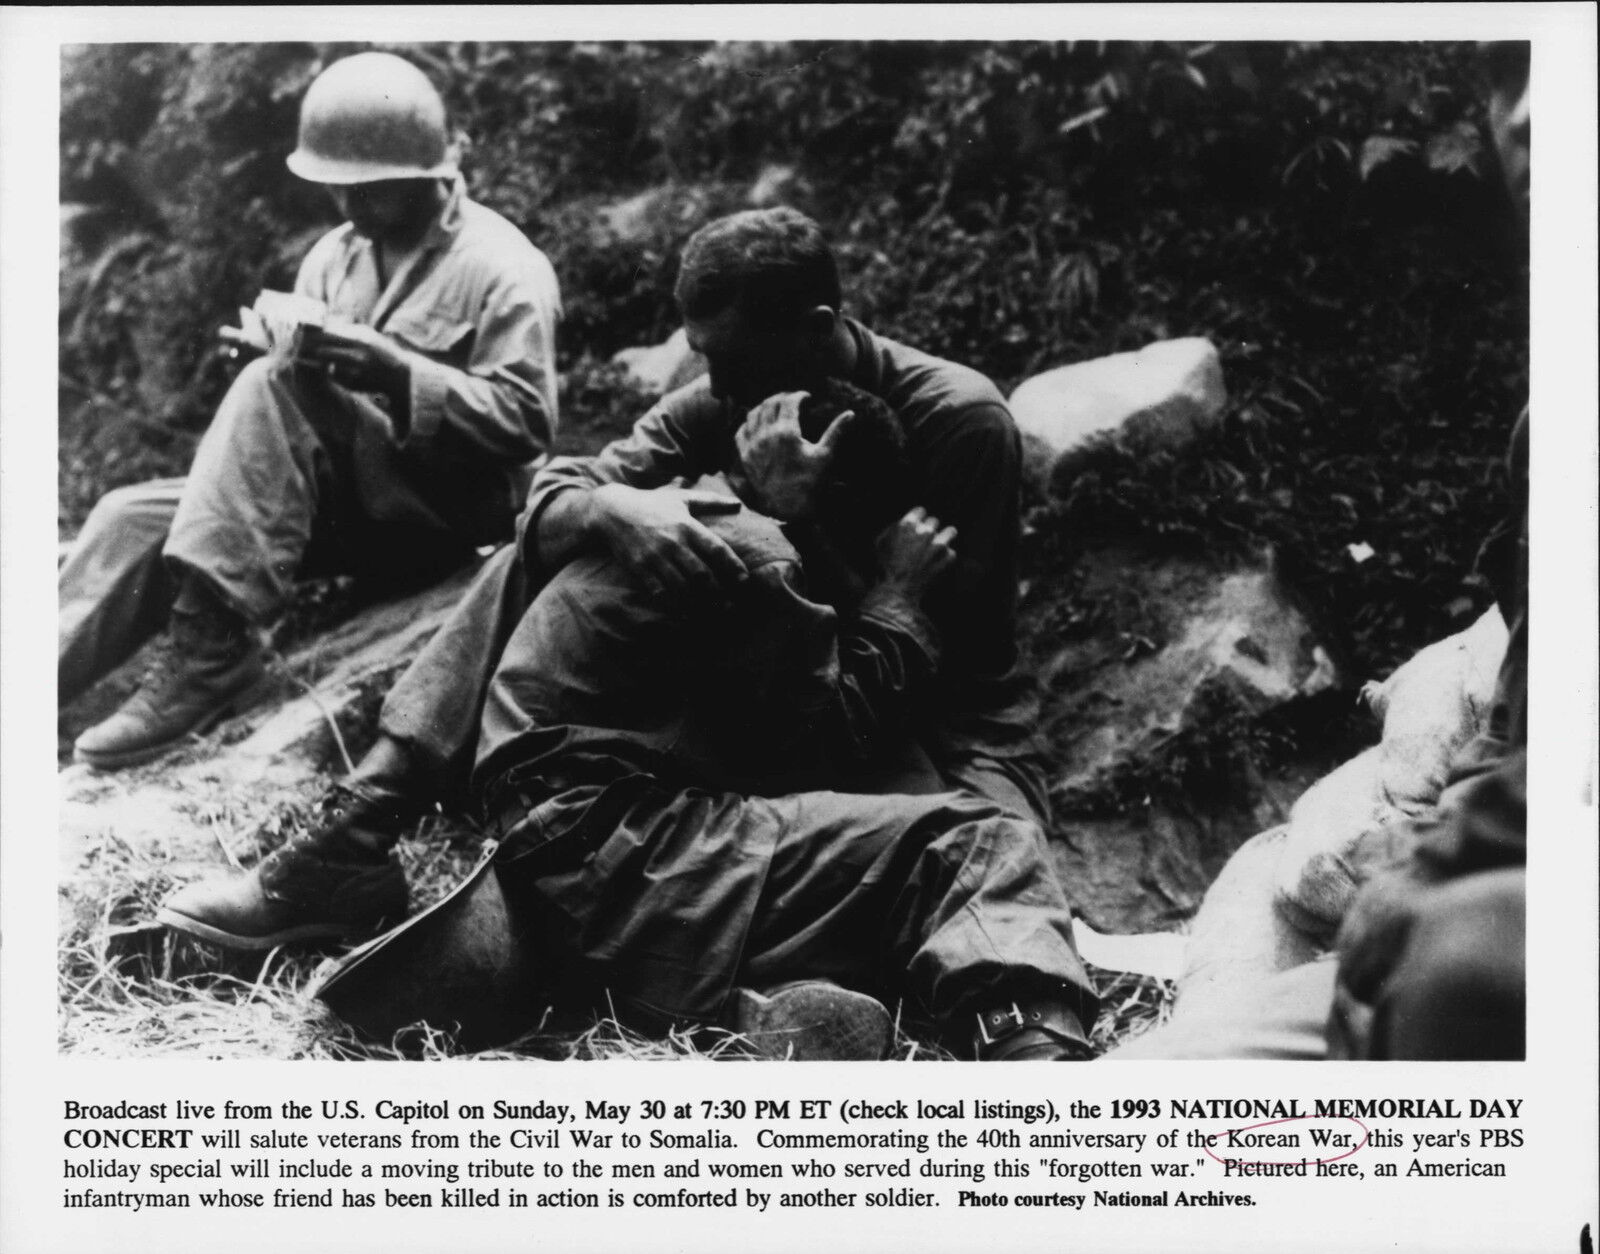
<point x="131" y="988"/>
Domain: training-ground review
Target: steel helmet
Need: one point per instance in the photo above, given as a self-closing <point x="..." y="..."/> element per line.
<point x="371" y="117"/>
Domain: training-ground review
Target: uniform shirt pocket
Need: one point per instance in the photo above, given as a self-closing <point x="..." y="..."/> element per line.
<point x="438" y="335"/>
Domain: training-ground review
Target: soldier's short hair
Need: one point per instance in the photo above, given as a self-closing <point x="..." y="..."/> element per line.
<point x="870" y="479"/>
<point x="773" y="264"/>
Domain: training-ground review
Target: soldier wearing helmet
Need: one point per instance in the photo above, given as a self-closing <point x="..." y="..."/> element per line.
<point x="397" y="436"/>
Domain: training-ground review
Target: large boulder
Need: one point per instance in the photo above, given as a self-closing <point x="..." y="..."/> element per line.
<point x="1155" y="652"/>
<point x="662" y="368"/>
<point x="1160" y="395"/>
<point x="1174" y="637"/>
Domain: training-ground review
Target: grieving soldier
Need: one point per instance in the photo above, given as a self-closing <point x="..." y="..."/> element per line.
<point x="395" y="438"/>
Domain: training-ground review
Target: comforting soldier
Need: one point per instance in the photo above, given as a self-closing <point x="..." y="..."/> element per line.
<point x="760" y="296"/>
<point x="399" y="438"/>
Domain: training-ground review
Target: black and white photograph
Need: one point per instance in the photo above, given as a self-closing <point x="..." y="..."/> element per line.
<point x="1233" y="582"/>
<point x="898" y="546"/>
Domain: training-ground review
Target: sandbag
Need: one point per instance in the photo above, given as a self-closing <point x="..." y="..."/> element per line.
<point x="1353" y="820"/>
<point x="1432" y="706"/>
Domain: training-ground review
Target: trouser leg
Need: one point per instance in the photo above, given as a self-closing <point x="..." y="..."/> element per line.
<point x="248" y="506"/>
<point x="114" y="590"/>
<point x="435" y="708"/>
<point x="948" y="899"/>
<point x="667" y="899"/>
<point x="1016" y="784"/>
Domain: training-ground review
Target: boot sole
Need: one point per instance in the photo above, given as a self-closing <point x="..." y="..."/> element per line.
<point x="283" y="936"/>
<point x="813" y="1023"/>
<point x="149" y="753"/>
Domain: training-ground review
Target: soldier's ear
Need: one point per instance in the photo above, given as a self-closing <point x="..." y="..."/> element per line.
<point x="820" y="321"/>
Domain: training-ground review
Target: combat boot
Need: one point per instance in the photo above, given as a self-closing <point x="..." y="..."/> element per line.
<point x="812" y="1021"/>
<point x="338" y="881"/>
<point x="1031" y="1031"/>
<point x="203" y="672"/>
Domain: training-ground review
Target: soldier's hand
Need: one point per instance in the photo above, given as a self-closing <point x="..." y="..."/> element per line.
<point x="914" y="552"/>
<point x="359" y="358"/>
<point x="785" y="469"/>
<point x="656" y="534"/>
<point x="233" y="345"/>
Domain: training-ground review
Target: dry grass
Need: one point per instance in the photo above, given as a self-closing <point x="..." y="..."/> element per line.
<point x="130" y="988"/>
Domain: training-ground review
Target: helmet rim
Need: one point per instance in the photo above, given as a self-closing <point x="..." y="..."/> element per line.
<point x="344" y="171"/>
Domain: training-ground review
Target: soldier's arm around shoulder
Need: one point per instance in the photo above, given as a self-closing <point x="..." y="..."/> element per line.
<point x="681" y="437"/>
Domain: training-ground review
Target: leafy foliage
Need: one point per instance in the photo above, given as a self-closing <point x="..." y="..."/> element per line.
<point x="1322" y="212"/>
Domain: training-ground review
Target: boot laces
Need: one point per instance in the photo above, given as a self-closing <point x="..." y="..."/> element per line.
<point x="164" y="674"/>
<point x="321" y="834"/>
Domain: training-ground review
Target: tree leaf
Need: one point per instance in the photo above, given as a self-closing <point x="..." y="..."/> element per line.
<point x="1083" y="119"/>
<point x="1458" y="150"/>
<point x="1379" y="149"/>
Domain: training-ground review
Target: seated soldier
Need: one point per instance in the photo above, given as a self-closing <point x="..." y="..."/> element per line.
<point x="399" y="440"/>
<point x="632" y="773"/>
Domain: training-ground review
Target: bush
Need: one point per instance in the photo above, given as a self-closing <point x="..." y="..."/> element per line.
<point x="1324" y="213"/>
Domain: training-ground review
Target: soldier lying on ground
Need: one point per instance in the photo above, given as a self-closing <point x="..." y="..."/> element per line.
<point x="646" y="755"/>
<point x="760" y="296"/>
<point x="391" y="445"/>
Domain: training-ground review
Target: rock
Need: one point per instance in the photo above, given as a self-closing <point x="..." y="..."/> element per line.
<point x="1177" y="633"/>
<point x="642" y="218"/>
<point x="632" y="220"/>
<point x="1163" y="394"/>
<point x="1151" y="647"/>
<point x="665" y="367"/>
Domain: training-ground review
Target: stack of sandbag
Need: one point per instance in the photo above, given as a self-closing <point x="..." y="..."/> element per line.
<point x="1350" y="822"/>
